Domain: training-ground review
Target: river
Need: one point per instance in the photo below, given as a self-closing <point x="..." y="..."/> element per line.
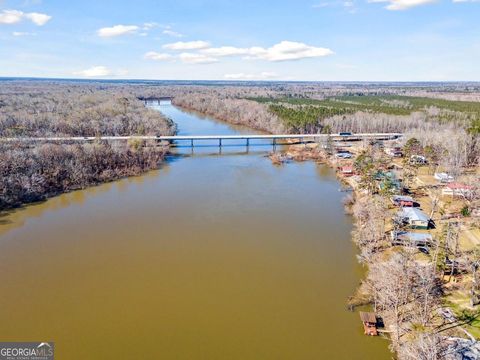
<point x="213" y="256"/>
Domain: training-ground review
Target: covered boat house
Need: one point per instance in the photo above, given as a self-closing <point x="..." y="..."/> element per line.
<point x="369" y="321"/>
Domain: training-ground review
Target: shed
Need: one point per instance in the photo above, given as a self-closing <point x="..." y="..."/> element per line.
<point x="401" y="200"/>
<point x="443" y="177"/>
<point x="347" y="170"/>
<point x="414" y="217"/>
<point x="369" y="321"/>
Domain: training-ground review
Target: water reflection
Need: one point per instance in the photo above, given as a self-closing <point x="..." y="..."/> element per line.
<point x="210" y="257"/>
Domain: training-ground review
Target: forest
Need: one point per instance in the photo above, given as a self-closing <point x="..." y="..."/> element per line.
<point x="33" y="172"/>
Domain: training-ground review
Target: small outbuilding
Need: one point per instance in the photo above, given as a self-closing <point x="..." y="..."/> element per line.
<point x="347" y="170"/>
<point x="369" y="321"/>
<point x="443" y="177"/>
<point x="403" y="201"/>
<point x="414" y="217"/>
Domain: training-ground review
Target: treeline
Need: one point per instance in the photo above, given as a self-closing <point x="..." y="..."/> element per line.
<point x="232" y="110"/>
<point x="77" y="111"/>
<point x="33" y="172"/>
<point x="29" y="174"/>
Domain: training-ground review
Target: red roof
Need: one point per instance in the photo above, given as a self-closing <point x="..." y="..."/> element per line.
<point x="456" y="185"/>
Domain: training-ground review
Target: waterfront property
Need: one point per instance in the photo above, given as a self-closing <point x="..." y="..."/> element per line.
<point x="403" y="201"/>
<point x="414" y="217"/>
<point x="407" y="238"/>
<point x="369" y="321"/>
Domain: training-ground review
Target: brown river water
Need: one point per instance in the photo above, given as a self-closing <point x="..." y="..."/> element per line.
<point x="213" y="256"/>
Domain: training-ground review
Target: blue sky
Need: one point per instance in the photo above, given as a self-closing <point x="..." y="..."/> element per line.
<point x="345" y="40"/>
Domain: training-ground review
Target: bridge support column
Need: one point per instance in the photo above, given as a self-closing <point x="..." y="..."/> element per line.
<point x="220" y="142"/>
<point x="274" y="144"/>
<point x="191" y="143"/>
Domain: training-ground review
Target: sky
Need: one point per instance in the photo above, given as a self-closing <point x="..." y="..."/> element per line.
<point x="305" y="40"/>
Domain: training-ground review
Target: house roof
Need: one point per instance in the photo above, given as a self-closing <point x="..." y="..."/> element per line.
<point x="456" y="186"/>
<point x="413" y="236"/>
<point x="414" y="214"/>
<point x="402" y="198"/>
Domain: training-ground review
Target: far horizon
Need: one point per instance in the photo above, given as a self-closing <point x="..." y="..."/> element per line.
<point x="349" y="82"/>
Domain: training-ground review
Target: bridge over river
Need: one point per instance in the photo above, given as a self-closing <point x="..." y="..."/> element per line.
<point x="191" y="140"/>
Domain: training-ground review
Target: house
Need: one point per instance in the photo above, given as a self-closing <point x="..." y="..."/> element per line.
<point x="343" y="155"/>
<point x="395" y="151"/>
<point x="347" y="170"/>
<point x="414" y="217"/>
<point x="456" y="189"/>
<point x="403" y="201"/>
<point x="369" y="321"/>
<point x="406" y="238"/>
<point x="443" y="177"/>
<point x="418" y="160"/>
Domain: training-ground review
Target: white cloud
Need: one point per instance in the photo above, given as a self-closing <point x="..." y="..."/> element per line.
<point x="172" y="33"/>
<point x="285" y="50"/>
<point x="22" y="33"/>
<point x="150" y="25"/>
<point x="117" y="30"/>
<point x="402" y="4"/>
<point x="193" y="58"/>
<point x="226" y="51"/>
<point x="242" y="76"/>
<point x="38" y="19"/>
<point x="95" y="71"/>
<point x="288" y="50"/>
<point x="152" y="55"/>
<point x="189" y="45"/>
<point x="10" y="17"/>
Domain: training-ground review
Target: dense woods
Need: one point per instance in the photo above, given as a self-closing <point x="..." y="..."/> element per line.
<point x="32" y="172"/>
<point x="450" y="127"/>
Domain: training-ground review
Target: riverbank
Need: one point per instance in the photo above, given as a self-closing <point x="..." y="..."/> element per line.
<point x="34" y="172"/>
<point x="411" y="287"/>
<point x="205" y="256"/>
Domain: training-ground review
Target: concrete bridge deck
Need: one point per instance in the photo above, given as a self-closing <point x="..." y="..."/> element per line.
<point x="191" y="139"/>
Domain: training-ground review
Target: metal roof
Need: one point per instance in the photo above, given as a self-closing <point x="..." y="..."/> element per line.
<point x="414" y="214"/>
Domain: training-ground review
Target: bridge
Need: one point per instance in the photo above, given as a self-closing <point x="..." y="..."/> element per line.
<point x="190" y="140"/>
<point x="154" y="99"/>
